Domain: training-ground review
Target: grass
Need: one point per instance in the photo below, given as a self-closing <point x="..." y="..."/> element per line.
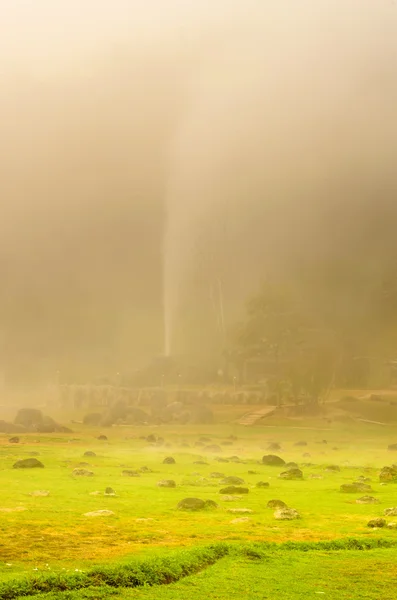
<point x="52" y="535"/>
<point x="253" y="571"/>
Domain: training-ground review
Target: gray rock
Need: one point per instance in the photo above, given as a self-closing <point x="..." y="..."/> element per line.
<point x="217" y="475"/>
<point x="262" y="484"/>
<point x="195" y="504"/>
<point x="14" y="440"/>
<point x="379" y="522"/>
<point x="233" y="489"/>
<point x="391" y="512"/>
<point x="169" y="460"/>
<point x="89" y="453"/>
<point x="291" y="474"/>
<point x="276" y="504"/>
<point x="367" y="500"/>
<point x="28" y="463"/>
<point x="273" y="460"/>
<point x="130" y="473"/>
<point x="82" y="473"/>
<point x="286" y="514"/>
<point x="232" y="480"/>
<point x="167" y="483"/>
<point x="388" y="474"/>
<point x="352" y="488"/>
<point x="333" y="469"/>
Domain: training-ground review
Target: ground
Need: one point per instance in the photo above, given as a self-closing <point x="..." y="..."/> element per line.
<point x="47" y="534"/>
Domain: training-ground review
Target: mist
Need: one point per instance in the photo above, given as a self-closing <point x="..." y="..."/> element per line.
<point x="154" y="154"/>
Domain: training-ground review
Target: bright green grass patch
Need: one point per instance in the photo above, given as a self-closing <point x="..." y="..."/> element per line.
<point x="255" y="571"/>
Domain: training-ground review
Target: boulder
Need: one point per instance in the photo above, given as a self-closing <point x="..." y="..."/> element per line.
<point x="89" y="453"/>
<point x="130" y="473"/>
<point x="169" y="460"/>
<point x="28" y="463"/>
<point x="240" y="510"/>
<point x="233" y="489"/>
<point x="6" y="427"/>
<point x="276" y="504"/>
<point x="286" y="514"/>
<point x="231" y="498"/>
<point x="291" y="474"/>
<point x="29" y="417"/>
<point x="168" y="483"/>
<point x="232" y="480"/>
<point x="274" y="446"/>
<point x="109" y="492"/>
<point x="273" y="460"/>
<point x="333" y="469"/>
<point x="14" y="440"/>
<point x="357" y="486"/>
<point x="391" y="512"/>
<point x="82" y="473"/>
<point x="195" y="504"/>
<point x="379" y="522"/>
<point x="262" y="484"/>
<point x="217" y="475"/>
<point x="102" y="438"/>
<point x="388" y="475"/>
<point x="367" y="500"/>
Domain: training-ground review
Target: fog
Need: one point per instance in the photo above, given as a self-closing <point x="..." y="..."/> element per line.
<point x="160" y="159"/>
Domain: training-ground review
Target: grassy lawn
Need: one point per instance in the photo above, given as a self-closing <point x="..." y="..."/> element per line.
<point x="52" y="534"/>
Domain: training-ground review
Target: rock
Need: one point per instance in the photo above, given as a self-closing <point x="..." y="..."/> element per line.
<point x="392" y="525"/>
<point x="240" y="510"/>
<point x="231" y="498"/>
<point x="253" y="473"/>
<point x="232" y="489"/>
<point x="195" y="504"/>
<point x="102" y="438"/>
<point x="239" y="520"/>
<point x="262" y="484"/>
<point x="391" y="512"/>
<point x="333" y="469"/>
<point x="28" y="463"/>
<point x="276" y="504"/>
<point x="388" y="474"/>
<point x="221" y="459"/>
<point x="291" y="465"/>
<point x="235" y="459"/>
<point x="291" y="474"/>
<point x="145" y="470"/>
<point x="40" y="493"/>
<point x="273" y="460"/>
<point x="351" y="488"/>
<point x="130" y="473"/>
<point x="314" y="476"/>
<point x="168" y="483"/>
<point x="363" y="479"/>
<point x="367" y="500"/>
<point x="379" y="522"/>
<point x="213" y="448"/>
<point x="274" y="446"/>
<point x="217" y="475"/>
<point x="89" y="453"/>
<point x="109" y="492"/>
<point x="232" y="480"/>
<point x="302" y="443"/>
<point x="11" y="428"/>
<point x="29" y="417"/>
<point x="99" y="513"/>
<point x="286" y="514"/>
<point x="169" y="460"/>
<point x="14" y="440"/>
<point x="82" y="473"/>
<point x="83" y="464"/>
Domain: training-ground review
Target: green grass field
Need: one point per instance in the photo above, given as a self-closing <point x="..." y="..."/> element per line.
<point x="40" y="535"/>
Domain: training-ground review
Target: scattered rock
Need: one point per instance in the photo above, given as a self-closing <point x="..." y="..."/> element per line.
<point x="291" y="474"/>
<point x="291" y="465"/>
<point x="109" y="492"/>
<point x="276" y="504"/>
<point x="392" y="525"/>
<point x="145" y="470"/>
<point x="167" y="483"/>
<point x="388" y="474"/>
<point x="240" y="510"/>
<point x="253" y="473"/>
<point x="195" y="504"/>
<point x="379" y="522"/>
<point x="217" y="475"/>
<point x="28" y="463"/>
<point x="232" y="480"/>
<point x="89" y="453"/>
<point x="232" y="489"/>
<point x="286" y="514"/>
<point x="14" y="440"/>
<point x="82" y="473"/>
<point x="274" y="446"/>
<point x="273" y="460"/>
<point x="239" y="520"/>
<point x="363" y="479"/>
<point x="391" y="512"/>
<point x="231" y="498"/>
<point x="221" y="459"/>
<point x="130" y="473"/>
<point x="235" y="459"/>
<point x="99" y="513"/>
<point x="333" y="469"/>
<point x="351" y="488"/>
<point x="40" y="493"/>
<point x="169" y="460"/>
<point x="102" y="438"/>
<point x="314" y="476"/>
<point x="262" y="484"/>
<point x="367" y="500"/>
